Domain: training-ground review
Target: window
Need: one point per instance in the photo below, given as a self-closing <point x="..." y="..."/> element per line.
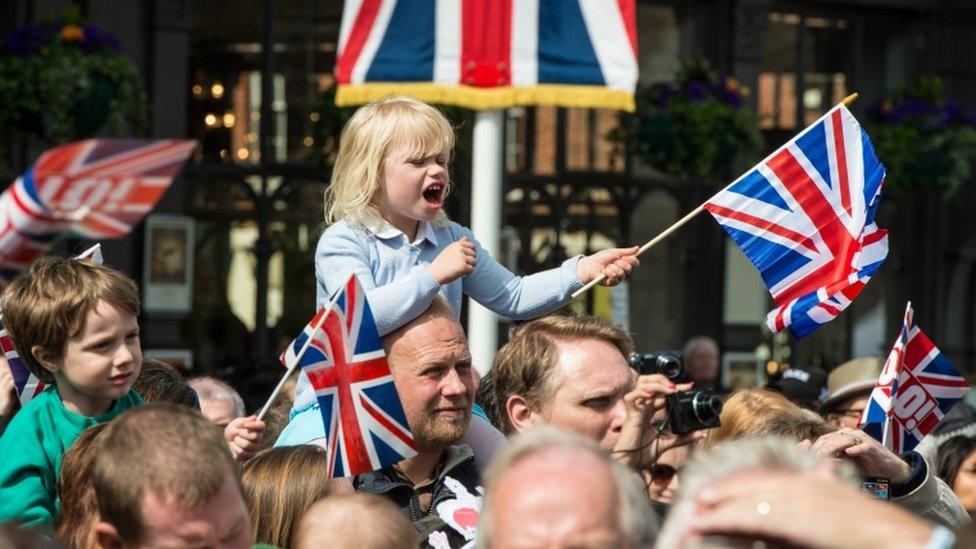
<point x="804" y="69"/>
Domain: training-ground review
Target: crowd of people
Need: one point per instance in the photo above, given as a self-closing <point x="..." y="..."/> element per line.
<point x="566" y="442"/>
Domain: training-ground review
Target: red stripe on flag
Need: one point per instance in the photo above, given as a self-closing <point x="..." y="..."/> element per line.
<point x="841" y="155"/>
<point x="628" y="12"/>
<point x="486" y="43"/>
<point x="763" y="224"/>
<point x="387" y="424"/>
<point x="780" y="320"/>
<point x="839" y="241"/>
<point x="875" y="236"/>
<point x="27" y="210"/>
<point x="357" y="40"/>
<point x="917" y="349"/>
<point x="928" y="380"/>
<point x="833" y="311"/>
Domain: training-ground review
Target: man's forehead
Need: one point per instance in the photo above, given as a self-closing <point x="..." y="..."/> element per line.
<point x="435" y="333"/>
<point x="432" y="328"/>
<point x="589" y="357"/>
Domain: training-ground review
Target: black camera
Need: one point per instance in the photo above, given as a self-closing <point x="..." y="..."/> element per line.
<point x="690" y="410"/>
<point x="667" y="364"/>
<point x="693" y="410"/>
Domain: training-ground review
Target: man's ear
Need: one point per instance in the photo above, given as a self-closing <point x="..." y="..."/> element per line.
<point x="521" y="414"/>
<point x="107" y="535"/>
<point x="46" y="358"/>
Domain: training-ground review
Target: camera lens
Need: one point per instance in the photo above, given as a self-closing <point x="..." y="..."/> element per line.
<point x="669" y="365"/>
<point x="706" y="406"/>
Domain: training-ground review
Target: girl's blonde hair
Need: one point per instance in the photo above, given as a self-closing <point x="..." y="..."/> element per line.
<point x="365" y="142"/>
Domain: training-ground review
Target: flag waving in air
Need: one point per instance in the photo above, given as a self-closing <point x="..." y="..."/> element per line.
<point x="99" y="188"/>
<point x="340" y="352"/>
<point x="804" y="216"/>
<point x="916" y="389"/>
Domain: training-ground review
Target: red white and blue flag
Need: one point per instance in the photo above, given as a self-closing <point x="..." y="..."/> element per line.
<point x="804" y="216"/>
<point x="916" y="389"/>
<point x="340" y="352"/>
<point x="489" y="54"/>
<point x="25" y="382"/>
<point x="98" y="188"/>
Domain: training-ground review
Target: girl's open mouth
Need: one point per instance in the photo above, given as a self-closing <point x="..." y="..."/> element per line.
<point x="434" y="194"/>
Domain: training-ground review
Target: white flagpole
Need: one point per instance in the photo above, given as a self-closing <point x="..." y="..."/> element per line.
<point x="486" y="222"/>
<point x="846" y="102"/>
<point x="298" y="356"/>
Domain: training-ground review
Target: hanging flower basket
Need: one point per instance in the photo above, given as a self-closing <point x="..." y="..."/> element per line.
<point x="926" y="141"/>
<point x="61" y="81"/>
<point x="694" y="127"/>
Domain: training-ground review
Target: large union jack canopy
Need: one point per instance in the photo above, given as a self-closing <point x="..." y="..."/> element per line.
<point x="489" y="54"/>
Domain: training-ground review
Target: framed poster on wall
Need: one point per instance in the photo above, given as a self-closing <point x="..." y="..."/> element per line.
<point x="167" y="270"/>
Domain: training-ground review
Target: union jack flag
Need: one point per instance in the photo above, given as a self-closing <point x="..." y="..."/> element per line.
<point x="804" y="216"/>
<point x="340" y="351"/>
<point x="99" y="188"/>
<point x="916" y="389"/>
<point x="486" y="54"/>
<point x="26" y="383"/>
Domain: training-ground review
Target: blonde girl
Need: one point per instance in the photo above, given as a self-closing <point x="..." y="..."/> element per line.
<point x="388" y="227"/>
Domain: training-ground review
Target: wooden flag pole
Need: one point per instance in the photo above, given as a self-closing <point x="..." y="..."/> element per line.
<point x="678" y="224"/>
<point x="298" y="356"/>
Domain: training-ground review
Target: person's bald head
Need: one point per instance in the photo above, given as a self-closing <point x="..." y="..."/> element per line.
<point x="357" y="520"/>
<point x="431" y="367"/>
<point x="554" y="488"/>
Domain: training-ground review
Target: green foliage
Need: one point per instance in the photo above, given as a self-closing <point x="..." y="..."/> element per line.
<point x="61" y="81"/>
<point x="924" y="140"/>
<point x="695" y="127"/>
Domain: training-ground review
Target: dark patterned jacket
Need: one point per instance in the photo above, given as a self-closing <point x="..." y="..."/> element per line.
<point x="455" y="503"/>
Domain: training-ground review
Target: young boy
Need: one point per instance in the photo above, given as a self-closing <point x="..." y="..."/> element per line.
<point x="74" y="325"/>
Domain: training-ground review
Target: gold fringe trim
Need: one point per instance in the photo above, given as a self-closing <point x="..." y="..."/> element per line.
<point x="559" y="95"/>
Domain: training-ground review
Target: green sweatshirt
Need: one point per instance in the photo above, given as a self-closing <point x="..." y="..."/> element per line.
<point x="31" y="450"/>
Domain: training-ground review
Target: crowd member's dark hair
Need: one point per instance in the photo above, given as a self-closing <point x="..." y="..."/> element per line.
<point x="951" y="455"/>
<point x="158" y="382"/>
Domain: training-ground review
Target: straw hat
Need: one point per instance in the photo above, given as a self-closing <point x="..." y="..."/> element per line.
<point x="852" y="378"/>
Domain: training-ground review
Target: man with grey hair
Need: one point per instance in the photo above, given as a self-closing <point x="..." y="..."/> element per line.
<point x="219" y="402"/>
<point x="769" y="489"/>
<point x="552" y="488"/>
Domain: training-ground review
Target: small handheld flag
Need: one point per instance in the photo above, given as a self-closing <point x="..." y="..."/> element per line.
<point x="340" y="352"/>
<point x="916" y="389"/>
<point x="804" y="216"/>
